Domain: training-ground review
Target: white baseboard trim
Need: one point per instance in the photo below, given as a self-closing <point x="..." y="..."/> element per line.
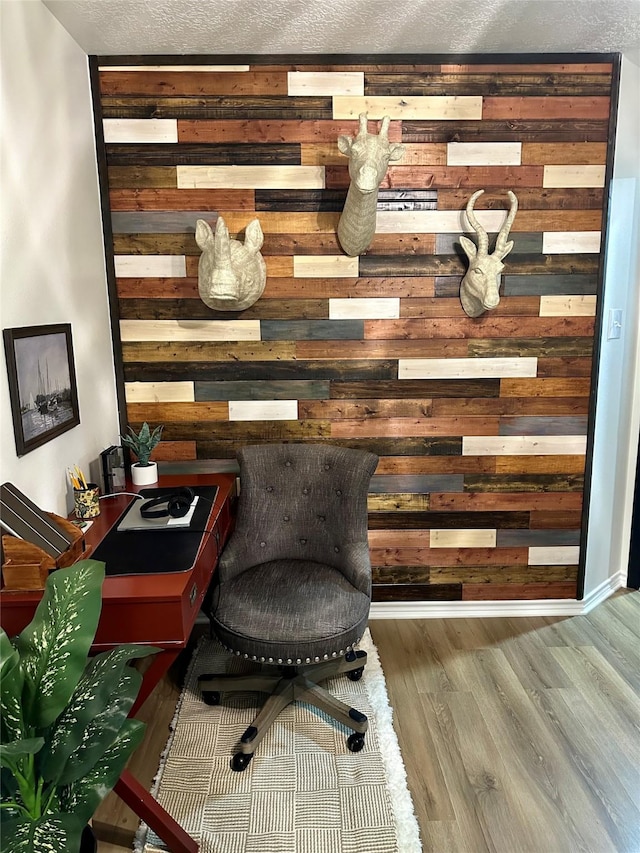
<point x="476" y="609"/>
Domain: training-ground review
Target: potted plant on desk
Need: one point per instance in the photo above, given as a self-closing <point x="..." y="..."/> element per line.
<point x="143" y="472"/>
<point x="65" y="733"/>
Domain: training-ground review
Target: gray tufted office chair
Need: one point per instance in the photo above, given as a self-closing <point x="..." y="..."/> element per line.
<point x="294" y="582"/>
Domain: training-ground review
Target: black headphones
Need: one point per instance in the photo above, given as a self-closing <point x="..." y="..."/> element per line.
<point x="178" y="504"/>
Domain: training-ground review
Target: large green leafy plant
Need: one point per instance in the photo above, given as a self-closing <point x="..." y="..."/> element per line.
<point x="65" y="735"/>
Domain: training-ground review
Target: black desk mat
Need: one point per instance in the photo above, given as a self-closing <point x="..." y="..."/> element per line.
<point x="143" y="552"/>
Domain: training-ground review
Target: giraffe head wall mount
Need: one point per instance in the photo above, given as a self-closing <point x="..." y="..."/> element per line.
<point x="480" y="288"/>
<point x="231" y="275"/>
<point x="369" y="155"/>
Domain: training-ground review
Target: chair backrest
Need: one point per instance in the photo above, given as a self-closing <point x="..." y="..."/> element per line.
<point x="302" y="502"/>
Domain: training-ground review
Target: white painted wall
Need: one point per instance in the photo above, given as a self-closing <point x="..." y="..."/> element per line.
<point x="51" y="253"/>
<point x="618" y="406"/>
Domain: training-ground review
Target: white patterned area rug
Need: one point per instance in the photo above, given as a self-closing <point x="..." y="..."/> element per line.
<point x="303" y="791"/>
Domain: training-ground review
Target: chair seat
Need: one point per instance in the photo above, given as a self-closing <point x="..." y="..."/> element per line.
<point x="321" y="615"/>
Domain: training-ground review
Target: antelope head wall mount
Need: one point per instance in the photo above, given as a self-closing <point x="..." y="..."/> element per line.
<point x="369" y="155"/>
<point x="231" y="275"/>
<point x="480" y="288"/>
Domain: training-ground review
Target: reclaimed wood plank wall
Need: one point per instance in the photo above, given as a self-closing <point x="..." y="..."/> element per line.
<point x="480" y="424"/>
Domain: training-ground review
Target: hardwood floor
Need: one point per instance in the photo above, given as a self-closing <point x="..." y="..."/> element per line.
<point x="519" y="735"/>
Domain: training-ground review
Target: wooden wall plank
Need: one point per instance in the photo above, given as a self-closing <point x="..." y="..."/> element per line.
<point x="545" y="107"/>
<point x="428" y="108"/>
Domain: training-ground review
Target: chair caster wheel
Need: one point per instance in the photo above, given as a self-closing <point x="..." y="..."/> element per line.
<point x="211" y="697"/>
<point x="355" y="742"/>
<point x="356" y="674"/>
<point x="240" y="761"/>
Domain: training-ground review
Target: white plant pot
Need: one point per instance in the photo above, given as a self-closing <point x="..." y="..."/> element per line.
<point x="144" y="475"/>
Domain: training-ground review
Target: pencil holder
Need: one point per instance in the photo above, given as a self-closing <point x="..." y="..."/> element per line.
<point x="85" y="501"/>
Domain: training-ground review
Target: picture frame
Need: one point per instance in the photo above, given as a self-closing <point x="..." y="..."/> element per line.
<point x="42" y="383"/>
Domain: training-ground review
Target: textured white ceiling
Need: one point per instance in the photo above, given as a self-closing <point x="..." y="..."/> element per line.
<point x="349" y="26"/>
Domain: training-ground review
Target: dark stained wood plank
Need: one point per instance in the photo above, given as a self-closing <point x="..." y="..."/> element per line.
<point x="536" y="198"/>
<point x="194" y="309"/>
<point x="524" y="592"/>
<point x="443" y="265"/>
<point x="502" y="574"/>
<point x="540" y="84"/>
<point x="508" y="483"/>
<point x="218" y="448"/>
<point x="562" y="284"/>
<point x="569" y="67"/>
<point x="545" y="348"/>
<point x="546" y="519"/>
<point x="532" y="129"/>
<point x="180" y="154"/>
<point x="503" y="502"/>
<point x="417" y="592"/>
<point x="415" y="388"/>
<point x="216" y="107"/>
<point x="181" y="199"/>
<point x="300" y="200"/>
<point x="274" y="389"/>
<point x="356" y="371"/>
<point x="327" y="244"/>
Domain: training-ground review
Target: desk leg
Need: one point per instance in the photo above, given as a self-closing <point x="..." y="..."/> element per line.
<point x="159" y="665"/>
<point x="143" y="804"/>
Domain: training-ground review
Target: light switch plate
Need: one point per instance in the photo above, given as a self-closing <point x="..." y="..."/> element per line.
<point x="614" y="328"/>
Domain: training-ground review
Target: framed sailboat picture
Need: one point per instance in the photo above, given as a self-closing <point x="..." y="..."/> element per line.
<point x="42" y="383"/>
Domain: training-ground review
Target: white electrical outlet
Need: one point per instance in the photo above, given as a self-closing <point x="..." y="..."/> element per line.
<point x="615" y="324"/>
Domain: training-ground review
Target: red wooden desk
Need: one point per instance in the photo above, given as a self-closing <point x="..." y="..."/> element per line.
<point x="151" y="609"/>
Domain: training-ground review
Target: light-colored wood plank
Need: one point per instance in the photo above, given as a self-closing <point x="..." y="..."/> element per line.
<point x="429" y="108"/>
<point x="384" y="308"/>
<point x="325" y="83"/>
<point x="484" y="153"/>
<point x="561" y="306"/>
<point x="263" y="410"/>
<point x="460" y="368"/>
<point x="475" y="538"/>
<point x="131" y="130"/>
<point x="150" y="266"/>
<point x="160" y="392"/>
<point x="517" y="445"/>
<point x="327" y="266"/>
<point x="571" y="242"/>
<point x="557" y="555"/>
<point x="250" y="177"/>
<point x="573" y="176"/>
<point x="190" y="330"/>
